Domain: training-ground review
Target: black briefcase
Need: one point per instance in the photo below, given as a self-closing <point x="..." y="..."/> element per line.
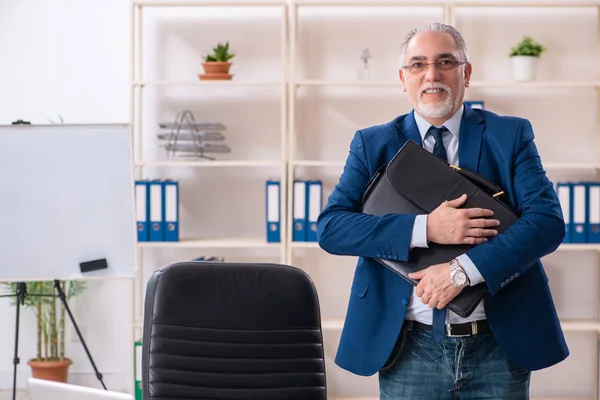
<point x="417" y="182"/>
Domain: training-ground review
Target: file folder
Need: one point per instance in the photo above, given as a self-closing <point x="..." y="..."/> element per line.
<point x="314" y="205"/>
<point x="578" y="213"/>
<point x="593" y="212"/>
<point x="563" y="191"/>
<point x="171" y="205"/>
<point x="475" y="104"/>
<point x="299" y="211"/>
<point x="273" y="211"/>
<point x="142" y="211"/>
<point x="156" y="211"/>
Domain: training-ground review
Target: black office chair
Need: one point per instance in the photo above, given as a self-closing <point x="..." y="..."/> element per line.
<point x="232" y="331"/>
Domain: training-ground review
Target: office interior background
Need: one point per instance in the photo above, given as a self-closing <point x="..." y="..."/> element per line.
<point x="291" y="109"/>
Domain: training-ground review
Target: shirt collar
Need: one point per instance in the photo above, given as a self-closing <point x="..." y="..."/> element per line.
<point x="452" y="124"/>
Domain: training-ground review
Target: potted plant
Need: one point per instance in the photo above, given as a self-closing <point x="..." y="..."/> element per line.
<point x="50" y="362"/>
<point x="525" y="55"/>
<point x="216" y="64"/>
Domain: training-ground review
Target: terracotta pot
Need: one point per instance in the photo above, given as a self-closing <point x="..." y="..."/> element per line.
<point x="216" y="70"/>
<point x="50" y="370"/>
<point x="216" y="67"/>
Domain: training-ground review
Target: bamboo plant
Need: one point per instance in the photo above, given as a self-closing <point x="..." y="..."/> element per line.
<point x="50" y="314"/>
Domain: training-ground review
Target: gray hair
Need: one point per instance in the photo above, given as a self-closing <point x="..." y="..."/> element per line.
<point x="436" y="27"/>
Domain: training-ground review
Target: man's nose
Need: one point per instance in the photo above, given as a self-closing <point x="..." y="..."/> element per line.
<point x="432" y="73"/>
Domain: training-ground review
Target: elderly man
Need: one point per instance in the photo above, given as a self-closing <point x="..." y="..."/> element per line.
<point x="392" y="327"/>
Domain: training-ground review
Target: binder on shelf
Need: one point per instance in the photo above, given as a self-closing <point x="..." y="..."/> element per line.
<point x="273" y="208"/>
<point x="314" y="204"/>
<point x="563" y="191"/>
<point x="171" y="206"/>
<point x="157" y="211"/>
<point x="475" y="104"/>
<point x="593" y="212"/>
<point x="299" y="233"/>
<point x="142" y="211"/>
<point x="137" y="363"/>
<point x="578" y="213"/>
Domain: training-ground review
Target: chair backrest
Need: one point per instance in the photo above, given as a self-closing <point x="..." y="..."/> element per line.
<point x="232" y="331"/>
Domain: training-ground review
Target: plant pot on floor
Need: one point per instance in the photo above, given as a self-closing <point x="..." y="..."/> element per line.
<point x="216" y="70"/>
<point x="524" y="68"/>
<point x="57" y="371"/>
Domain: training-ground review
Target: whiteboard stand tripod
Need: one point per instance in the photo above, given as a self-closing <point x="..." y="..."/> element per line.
<point x="21" y="293"/>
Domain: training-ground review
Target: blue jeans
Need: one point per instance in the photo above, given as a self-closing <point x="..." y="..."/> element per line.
<point x="474" y="367"/>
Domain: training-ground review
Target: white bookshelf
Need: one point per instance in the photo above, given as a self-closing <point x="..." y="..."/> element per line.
<point x="291" y="90"/>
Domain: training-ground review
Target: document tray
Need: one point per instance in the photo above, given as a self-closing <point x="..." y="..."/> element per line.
<point x="417" y="182"/>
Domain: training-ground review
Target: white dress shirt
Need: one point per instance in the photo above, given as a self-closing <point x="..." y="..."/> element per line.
<point x="416" y="309"/>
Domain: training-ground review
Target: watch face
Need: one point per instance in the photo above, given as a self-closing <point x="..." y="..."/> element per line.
<point x="459" y="278"/>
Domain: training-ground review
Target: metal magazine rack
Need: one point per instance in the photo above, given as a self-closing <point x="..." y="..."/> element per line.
<point x="190" y="138"/>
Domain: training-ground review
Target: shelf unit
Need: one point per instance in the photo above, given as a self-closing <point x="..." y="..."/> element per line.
<point x="290" y="87"/>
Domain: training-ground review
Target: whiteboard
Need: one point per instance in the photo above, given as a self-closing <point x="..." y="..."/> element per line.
<point x="66" y="197"/>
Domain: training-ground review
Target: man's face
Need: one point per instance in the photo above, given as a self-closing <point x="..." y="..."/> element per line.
<point x="436" y="93"/>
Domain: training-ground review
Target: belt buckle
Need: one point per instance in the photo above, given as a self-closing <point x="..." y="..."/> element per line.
<point x="473" y="330"/>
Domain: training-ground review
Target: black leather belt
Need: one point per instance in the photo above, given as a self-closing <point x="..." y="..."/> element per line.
<point x="456" y="330"/>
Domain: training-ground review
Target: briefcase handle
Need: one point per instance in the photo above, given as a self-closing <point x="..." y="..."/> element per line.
<point x="481" y="181"/>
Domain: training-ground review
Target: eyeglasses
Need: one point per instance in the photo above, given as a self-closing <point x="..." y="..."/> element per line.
<point x="444" y="65"/>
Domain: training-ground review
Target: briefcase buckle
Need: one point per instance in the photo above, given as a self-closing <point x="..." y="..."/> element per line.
<point x="498" y="194"/>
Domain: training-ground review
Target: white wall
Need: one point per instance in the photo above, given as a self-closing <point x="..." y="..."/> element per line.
<point x="69" y="58"/>
<point x="82" y="74"/>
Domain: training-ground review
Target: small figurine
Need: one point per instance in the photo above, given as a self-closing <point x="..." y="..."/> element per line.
<point x="363" y="72"/>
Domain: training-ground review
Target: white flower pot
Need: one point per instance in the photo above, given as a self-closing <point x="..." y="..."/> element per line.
<point x="524" y="68"/>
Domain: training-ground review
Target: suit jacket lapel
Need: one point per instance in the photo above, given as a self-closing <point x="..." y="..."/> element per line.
<point x="469" y="139"/>
<point x="408" y="127"/>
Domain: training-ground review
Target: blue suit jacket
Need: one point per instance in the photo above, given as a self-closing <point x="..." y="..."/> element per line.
<point x="519" y="305"/>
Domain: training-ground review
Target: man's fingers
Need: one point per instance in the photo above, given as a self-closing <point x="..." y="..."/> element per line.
<point x="479" y="232"/>
<point x="417" y="275"/>
<point x="483" y="223"/>
<point x="473" y="240"/>
<point x="457" y="202"/>
<point x="478" y="213"/>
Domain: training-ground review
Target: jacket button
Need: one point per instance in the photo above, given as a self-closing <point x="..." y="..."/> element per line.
<point x="404" y="301"/>
<point x="502" y="284"/>
<point x="516" y="274"/>
<point x="507" y="281"/>
<point x="512" y="278"/>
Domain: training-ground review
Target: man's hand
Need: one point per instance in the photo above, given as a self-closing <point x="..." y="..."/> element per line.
<point x="435" y="287"/>
<point x="449" y="225"/>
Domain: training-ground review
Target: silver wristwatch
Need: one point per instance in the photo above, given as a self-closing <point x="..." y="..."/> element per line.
<point x="458" y="276"/>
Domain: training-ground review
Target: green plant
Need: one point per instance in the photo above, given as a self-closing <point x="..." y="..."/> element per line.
<point x="527" y="47"/>
<point x="220" y="53"/>
<point x="50" y="314"/>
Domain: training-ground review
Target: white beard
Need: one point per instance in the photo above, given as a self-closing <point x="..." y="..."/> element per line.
<point x="438" y="110"/>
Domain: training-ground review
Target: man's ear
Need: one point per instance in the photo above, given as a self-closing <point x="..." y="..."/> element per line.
<point x="402" y="77"/>
<point x="468" y="71"/>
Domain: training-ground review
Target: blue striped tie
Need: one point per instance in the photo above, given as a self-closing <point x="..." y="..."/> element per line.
<point x="439" y="316"/>
<point x="439" y="150"/>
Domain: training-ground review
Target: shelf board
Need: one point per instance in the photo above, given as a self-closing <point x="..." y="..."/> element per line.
<point x="579" y="247"/>
<point x="580" y="326"/>
<point x="207" y="3"/>
<point x="396" y="83"/>
<point x="213" y="243"/>
<point x="208" y="164"/>
<point x="305" y="245"/>
<point x="317" y="163"/>
<point x="431" y="3"/>
<point x="582" y="166"/>
<point x="207" y="83"/>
